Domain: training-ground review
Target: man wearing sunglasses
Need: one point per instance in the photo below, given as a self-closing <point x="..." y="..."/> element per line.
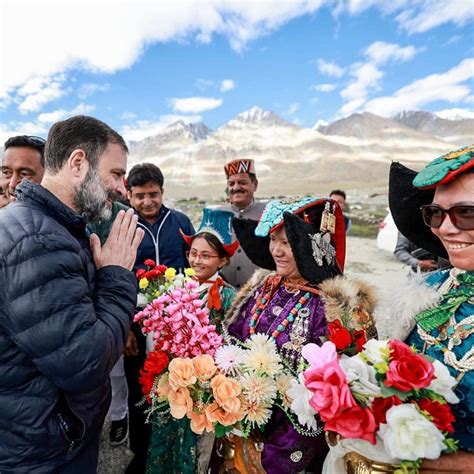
<point x="23" y="158"/>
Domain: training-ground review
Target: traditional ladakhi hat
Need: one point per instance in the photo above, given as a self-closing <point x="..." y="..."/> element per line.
<point x="315" y="230"/>
<point x="239" y="166"/>
<point x="217" y="223"/>
<point x="409" y="190"/>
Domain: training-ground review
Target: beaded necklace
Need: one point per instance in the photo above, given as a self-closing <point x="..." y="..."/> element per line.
<point x="262" y="302"/>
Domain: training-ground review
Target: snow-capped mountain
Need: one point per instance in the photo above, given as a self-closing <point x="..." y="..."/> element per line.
<point x="319" y="125"/>
<point x="457" y="132"/>
<point x="290" y="159"/>
<point x="455" y="114"/>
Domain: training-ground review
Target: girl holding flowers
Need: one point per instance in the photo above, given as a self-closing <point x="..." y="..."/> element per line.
<point x="174" y="447"/>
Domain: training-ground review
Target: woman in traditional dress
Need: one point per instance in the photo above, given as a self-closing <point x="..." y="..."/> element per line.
<point x="302" y="242"/>
<point x="174" y="448"/>
<point x="435" y="210"/>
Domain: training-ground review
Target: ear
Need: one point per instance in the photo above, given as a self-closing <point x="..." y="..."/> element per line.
<point x="129" y="195"/>
<point x="77" y="163"/>
<point x="255" y="184"/>
<point x="162" y="191"/>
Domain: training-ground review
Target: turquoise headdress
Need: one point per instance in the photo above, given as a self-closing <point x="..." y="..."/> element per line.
<point x="219" y="224"/>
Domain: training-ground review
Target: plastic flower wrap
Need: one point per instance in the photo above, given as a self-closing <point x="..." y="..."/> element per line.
<point x="387" y="395"/>
<point x="150" y="280"/>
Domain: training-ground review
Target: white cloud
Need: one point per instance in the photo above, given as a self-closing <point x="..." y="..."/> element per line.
<point x="51" y="117"/>
<point x="105" y="45"/>
<point x="329" y="68"/>
<point x="367" y="76"/>
<point x="141" y="129"/>
<point x="324" y="87"/>
<point x="432" y="13"/>
<point x="381" y="52"/>
<point x="366" y="79"/>
<point x="88" y="89"/>
<point x="195" y="105"/>
<point x="415" y="16"/>
<point x="227" y="85"/>
<point x="38" y="91"/>
<point x="449" y="86"/>
<point x="21" y="128"/>
<point x="292" y="109"/>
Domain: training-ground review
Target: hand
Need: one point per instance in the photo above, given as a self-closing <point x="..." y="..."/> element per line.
<point x="427" y="265"/>
<point x="458" y="463"/>
<point x="122" y="244"/>
<point x="131" y="348"/>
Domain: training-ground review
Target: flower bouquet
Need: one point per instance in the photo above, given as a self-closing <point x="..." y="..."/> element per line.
<point x="387" y="403"/>
<point x="152" y="281"/>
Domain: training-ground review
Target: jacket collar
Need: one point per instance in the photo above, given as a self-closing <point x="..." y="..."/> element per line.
<point x="36" y="194"/>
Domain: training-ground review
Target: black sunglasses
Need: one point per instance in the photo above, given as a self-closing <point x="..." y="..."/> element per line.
<point x="462" y="216"/>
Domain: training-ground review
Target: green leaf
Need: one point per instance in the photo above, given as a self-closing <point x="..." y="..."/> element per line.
<point x="451" y="445"/>
<point x="221" y="430"/>
<point x="390" y="391"/>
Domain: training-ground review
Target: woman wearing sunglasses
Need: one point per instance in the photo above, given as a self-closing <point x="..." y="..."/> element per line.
<point x="435" y="209"/>
<point x="173" y="446"/>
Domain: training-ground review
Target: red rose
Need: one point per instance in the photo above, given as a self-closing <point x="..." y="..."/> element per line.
<point x="380" y="406"/>
<point x="399" y="349"/>
<point x="339" y="335"/>
<point x="155" y="363"/>
<point x="140" y="273"/>
<point x="409" y="372"/>
<point x="355" y="422"/>
<point x="359" y="339"/>
<point x="161" y="269"/>
<point x="153" y="274"/>
<point x="440" y="412"/>
<point x="149" y="262"/>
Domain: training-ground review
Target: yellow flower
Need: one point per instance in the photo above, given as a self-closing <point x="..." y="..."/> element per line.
<point x="143" y="283"/>
<point x="170" y="273"/>
<point x="189" y="272"/>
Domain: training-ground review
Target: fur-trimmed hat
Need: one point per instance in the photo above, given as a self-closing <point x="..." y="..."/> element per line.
<point x="409" y="190"/>
<point x="319" y="250"/>
<point x="217" y="223"/>
<point x="239" y="166"/>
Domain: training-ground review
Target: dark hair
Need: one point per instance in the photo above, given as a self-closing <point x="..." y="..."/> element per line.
<point x="145" y="173"/>
<point x="214" y="242"/>
<point x="80" y="132"/>
<point x="36" y="143"/>
<point x="338" y="192"/>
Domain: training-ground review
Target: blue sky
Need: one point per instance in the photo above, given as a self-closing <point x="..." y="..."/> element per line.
<point x="145" y="64"/>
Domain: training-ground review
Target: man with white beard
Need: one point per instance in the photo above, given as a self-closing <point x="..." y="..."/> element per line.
<point x="66" y="301"/>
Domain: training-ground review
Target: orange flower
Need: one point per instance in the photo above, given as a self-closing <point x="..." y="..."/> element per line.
<point x="217" y="414"/>
<point x="200" y="422"/>
<point x="181" y="403"/>
<point x="226" y="392"/>
<point x="204" y="367"/>
<point x="181" y="372"/>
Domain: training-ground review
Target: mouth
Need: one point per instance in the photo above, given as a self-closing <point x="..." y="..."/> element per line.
<point x="453" y="246"/>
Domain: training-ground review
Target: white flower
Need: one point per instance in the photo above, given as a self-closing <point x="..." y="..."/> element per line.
<point x="300" y="404"/>
<point x="376" y="351"/>
<point x="360" y="375"/>
<point x="261" y="341"/>
<point x="409" y="435"/>
<point x="258" y="413"/>
<point x="229" y="358"/>
<point x="258" y="389"/>
<point x="443" y="382"/>
<point x="262" y="361"/>
<point x="283" y="383"/>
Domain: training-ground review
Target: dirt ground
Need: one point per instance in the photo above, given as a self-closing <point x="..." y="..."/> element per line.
<point x="363" y="260"/>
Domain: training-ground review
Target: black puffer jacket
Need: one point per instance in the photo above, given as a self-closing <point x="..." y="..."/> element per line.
<point x="62" y="328"/>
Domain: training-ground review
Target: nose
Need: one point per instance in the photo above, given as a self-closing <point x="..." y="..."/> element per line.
<point x="120" y="189"/>
<point x="15" y="180"/>
<point x="447" y="227"/>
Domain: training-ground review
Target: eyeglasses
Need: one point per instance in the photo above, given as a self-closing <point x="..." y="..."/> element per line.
<point x="462" y="216"/>
<point x="205" y="257"/>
